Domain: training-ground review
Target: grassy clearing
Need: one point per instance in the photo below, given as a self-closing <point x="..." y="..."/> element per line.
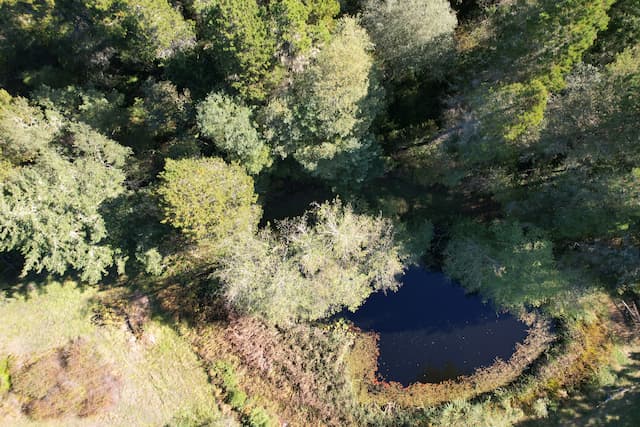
<point x="161" y="381"/>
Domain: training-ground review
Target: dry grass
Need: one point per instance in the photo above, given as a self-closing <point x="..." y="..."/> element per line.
<point x="298" y="374"/>
<point x="72" y="380"/>
<point x="161" y="380"/>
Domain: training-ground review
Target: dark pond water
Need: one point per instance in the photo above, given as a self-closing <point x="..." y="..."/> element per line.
<point x="430" y="330"/>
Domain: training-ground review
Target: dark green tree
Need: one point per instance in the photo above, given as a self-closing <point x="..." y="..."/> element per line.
<point x="324" y="121"/>
<point x="60" y="174"/>
<point x="238" y="37"/>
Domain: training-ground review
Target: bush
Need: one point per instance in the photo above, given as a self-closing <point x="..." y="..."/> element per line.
<point x="258" y="417"/>
<point x="208" y="199"/>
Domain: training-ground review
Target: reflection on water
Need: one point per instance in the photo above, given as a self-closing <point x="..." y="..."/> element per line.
<point x="430" y="330"/>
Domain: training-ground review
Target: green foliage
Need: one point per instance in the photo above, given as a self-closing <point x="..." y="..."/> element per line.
<point x="225" y="373"/>
<point x="135" y="229"/>
<point x="228" y="123"/>
<point x="151" y="259"/>
<point x="162" y="111"/>
<point x="5" y="376"/>
<point x="562" y="31"/>
<point x="241" y="44"/>
<point x="506" y="262"/>
<point x="258" y="417"/>
<point x="588" y="189"/>
<point x="528" y="114"/>
<point x="324" y="122"/>
<point x="155" y="30"/>
<point x="577" y="206"/>
<point x="104" y="112"/>
<point x="416" y="239"/>
<point x="622" y="32"/>
<point x="208" y="199"/>
<point x="510" y="108"/>
<point x="24" y="131"/>
<point x="60" y="42"/>
<point x="301" y="25"/>
<point x="410" y="36"/>
<point x="315" y="266"/>
<point x="49" y="207"/>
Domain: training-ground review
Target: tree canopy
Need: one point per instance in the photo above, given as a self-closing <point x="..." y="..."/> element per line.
<point x="324" y="121"/>
<point x="410" y="36"/>
<point x="208" y="199"/>
<point x="313" y="266"/>
<point x="229" y="124"/>
<point x="60" y="174"/>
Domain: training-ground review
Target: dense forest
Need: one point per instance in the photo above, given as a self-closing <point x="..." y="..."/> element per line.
<point x="192" y="191"/>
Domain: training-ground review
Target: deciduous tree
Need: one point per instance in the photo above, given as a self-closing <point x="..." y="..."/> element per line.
<point x="313" y="266"/>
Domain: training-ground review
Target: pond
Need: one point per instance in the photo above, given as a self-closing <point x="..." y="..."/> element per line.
<point x="431" y="331"/>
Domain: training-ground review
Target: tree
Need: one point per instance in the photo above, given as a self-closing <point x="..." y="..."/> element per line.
<point x="228" y="123"/>
<point x="324" y="121"/>
<point x="162" y="112"/>
<point x="50" y="199"/>
<point x="506" y="262"/>
<point x="301" y="25"/>
<point x="410" y="36"/>
<point x="314" y="266"/>
<point x="241" y="43"/>
<point x="68" y="42"/>
<point x="103" y="111"/>
<point x="25" y="131"/>
<point x="154" y="30"/>
<point x="585" y="184"/>
<point x="506" y="109"/>
<point x="622" y="32"/>
<point x="209" y="200"/>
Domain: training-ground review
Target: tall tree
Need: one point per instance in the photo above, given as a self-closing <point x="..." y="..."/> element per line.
<point x="50" y="198"/>
<point x="69" y="42"/>
<point x="229" y="124"/>
<point x="241" y="44"/>
<point x="506" y="262"/>
<point x="325" y="120"/>
<point x="410" y="36"/>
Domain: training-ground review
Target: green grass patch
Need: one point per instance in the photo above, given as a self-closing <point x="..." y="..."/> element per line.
<point x="5" y="375"/>
<point x="161" y="380"/>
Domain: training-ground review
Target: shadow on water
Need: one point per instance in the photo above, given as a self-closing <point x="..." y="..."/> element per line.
<point x="431" y="330"/>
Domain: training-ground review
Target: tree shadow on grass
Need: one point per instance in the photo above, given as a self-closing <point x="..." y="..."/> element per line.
<point x="616" y="405"/>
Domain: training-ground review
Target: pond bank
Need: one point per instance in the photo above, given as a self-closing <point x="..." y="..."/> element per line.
<point x="431" y="330"/>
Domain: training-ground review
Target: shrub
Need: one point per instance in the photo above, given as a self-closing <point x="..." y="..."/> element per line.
<point x="258" y="417"/>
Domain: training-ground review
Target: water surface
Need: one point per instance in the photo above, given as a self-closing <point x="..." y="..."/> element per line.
<point x="430" y="330"/>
